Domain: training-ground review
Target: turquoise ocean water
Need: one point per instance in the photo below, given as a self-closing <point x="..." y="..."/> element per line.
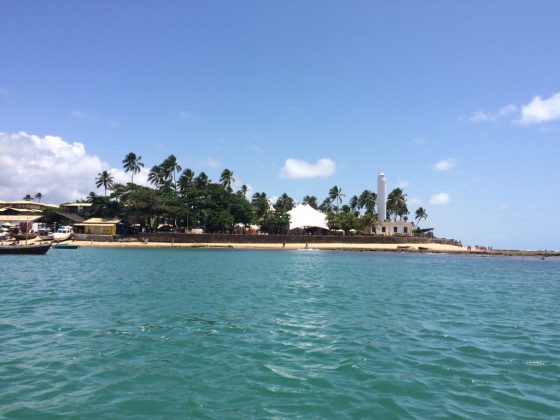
<point x="287" y="334"/>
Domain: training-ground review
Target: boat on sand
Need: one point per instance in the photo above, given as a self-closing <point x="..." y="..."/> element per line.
<point x="63" y="234"/>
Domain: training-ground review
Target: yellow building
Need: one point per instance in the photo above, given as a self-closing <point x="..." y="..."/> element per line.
<point x="99" y="226"/>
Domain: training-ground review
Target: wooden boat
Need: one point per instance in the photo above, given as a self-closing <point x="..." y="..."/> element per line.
<point x="35" y="249"/>
<point x="63" y="245"/>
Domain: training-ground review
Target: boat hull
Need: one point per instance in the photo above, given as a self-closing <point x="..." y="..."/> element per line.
<point x="25" y="249"/>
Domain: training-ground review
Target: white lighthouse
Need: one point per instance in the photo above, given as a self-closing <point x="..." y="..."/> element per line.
<point x="381" y="197"/>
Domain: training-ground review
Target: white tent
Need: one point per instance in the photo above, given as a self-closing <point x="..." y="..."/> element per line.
<point x="304" y="216"/>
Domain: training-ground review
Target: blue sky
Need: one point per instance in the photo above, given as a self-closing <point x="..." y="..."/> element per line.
<point x="458" y="102"/>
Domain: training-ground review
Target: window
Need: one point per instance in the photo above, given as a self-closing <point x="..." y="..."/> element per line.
<point x="405" y="229"/>
<point x="383" y="229"/>
<point x="395" y="229"/>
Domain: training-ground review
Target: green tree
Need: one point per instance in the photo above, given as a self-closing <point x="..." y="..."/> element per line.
<point x="243" y="191"/>
<point x="38" y="196"/>
<point x="367" y="222"/>
<point x="226" y="179"/>
<point x="261" y="206"/>
<point x="284" y="203"/>
<point x="310" y="200"/>
<point x="186" y="180"/>
<point x="104" y="179"/>
<point x="367" y="201"/>
<point x="201" y="181"/>
<point x="27" y="197"/>
<point x="159" y="177"/>
<point x="396" y="204"/>
<point x="354" y="204"/>
<point x="170" y="167"/>
<point x="419" y="215"/>
<point x="335" y="194"/>
<point x="132" y="163"/>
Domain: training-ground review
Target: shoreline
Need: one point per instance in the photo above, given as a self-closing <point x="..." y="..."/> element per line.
<point x="403" y="247"/>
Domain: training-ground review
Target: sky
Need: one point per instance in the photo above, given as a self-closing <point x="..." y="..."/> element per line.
<point x="458" y="103"/>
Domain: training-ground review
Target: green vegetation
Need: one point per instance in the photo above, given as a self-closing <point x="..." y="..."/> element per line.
<point x="187" y="200"/>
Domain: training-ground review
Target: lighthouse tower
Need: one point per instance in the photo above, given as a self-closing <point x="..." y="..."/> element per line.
<point x="381" y="197"/>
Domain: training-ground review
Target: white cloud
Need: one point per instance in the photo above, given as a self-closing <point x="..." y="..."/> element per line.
<point x="294" y="168"/>
<point x="445" y="164"/>
<point x="541" y="110"/>
<point x="59" y="170"/>
<point x="439" y="199"/>
<point x="488" y="117"/>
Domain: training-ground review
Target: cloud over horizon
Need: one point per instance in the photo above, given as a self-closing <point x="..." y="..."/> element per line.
<point x="59" y="170"/>
<point x="297" y="169"/>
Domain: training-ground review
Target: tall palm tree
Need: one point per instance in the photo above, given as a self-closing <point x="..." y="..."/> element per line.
<point x="420" y="214"/>
<point x="132" y="163"/>
<point x="201" y="181"/>
<point x="38" y="196"/>
<point x="226" y="179"/>
<point x="104" y="179"/>
<point x="186" y="180"/>
<point x="27" y="197"/>
<point x="335" y="194"/>
<point x="284" y="203"/>
<point x="158" y="176"/>
<point x="310" y="200"/>
<point x="170" y="167"/>
<point x="367" y="201"/>
<point x="396" y="204"/>
<point x="354" y="204"/>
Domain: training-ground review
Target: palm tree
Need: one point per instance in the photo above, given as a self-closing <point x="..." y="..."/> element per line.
<point x="396" y="204"/>
<point x="284" y="203"/>
<point x="132" y="163"/>
<point x="420" y="214"/>
<point x="243" y="190"/>
<point x="335" y="194"/>
<point x="367" y="201"/>
<point x="310" y="200"/>
<point x="27" y="197"/>
<point x="354" y="204"/>
<point x="186" y="180"/>
<point x="326" y="206"/>
<point x="38" y="196"/>
<point x="106" y="179"/>
<point x="226" y="179"/>
<point x="170" y="166"/>
<point x="201" y="181"/>
<point x="157" y="176"/>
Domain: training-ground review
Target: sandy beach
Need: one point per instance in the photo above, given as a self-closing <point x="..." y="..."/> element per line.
<point x="288" y="246"/>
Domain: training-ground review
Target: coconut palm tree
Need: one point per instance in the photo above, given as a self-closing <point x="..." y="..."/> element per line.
<point x="354" y="204"/>
<point x="310" y="200"/>
<point x="38" y="196"/>
<point x="158" y="176"/>
<point x="132" y="163"/>
<point x="226" y="179"/>
<point x="396" y="204"/>
<point x="104" y="179"/>
<point x="186" y="180"/>
<point x="243" y="190"/>
<point x="367" y="201"/>
<point x="335" y="194"/>
<point x="27" y="197"/>
<point x="420" y="214"/>
<point x="284" y="203"/>
<point x="170" y="167"/>
<point x="201" y="181"/>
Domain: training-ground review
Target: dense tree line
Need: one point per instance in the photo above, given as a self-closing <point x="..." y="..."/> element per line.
<point x="188" y="200"/>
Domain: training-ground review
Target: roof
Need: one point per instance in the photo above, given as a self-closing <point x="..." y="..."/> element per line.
<point x="70" y="216"/>
<point x="305" y="216"/>
<point x="100" y="221"/>
<point x="76" y="205"/>
<point x="29" y="202"/>
<point x="18" y="218"/>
